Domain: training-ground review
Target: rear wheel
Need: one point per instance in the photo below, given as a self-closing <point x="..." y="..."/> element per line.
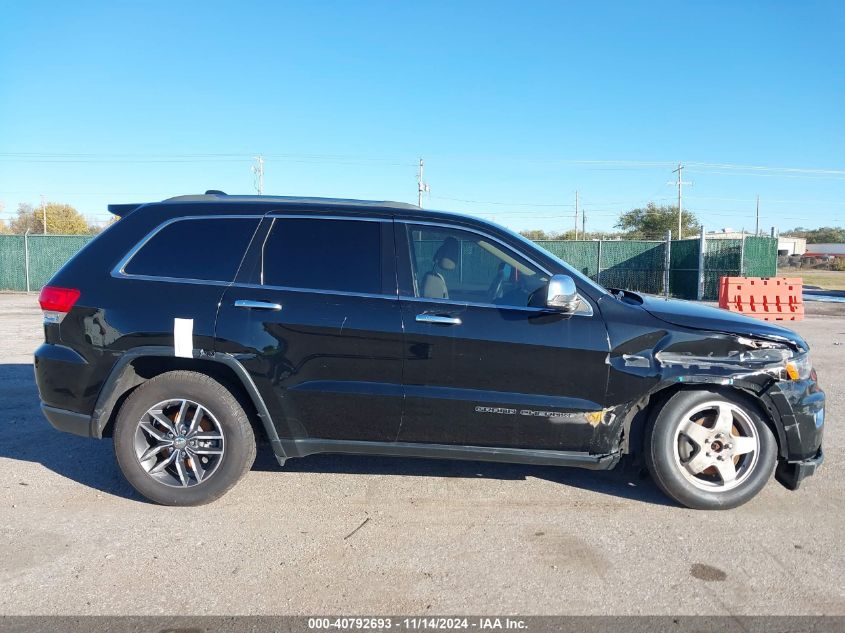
<point x="182" y="438"/>
<point x="710" y="450"/>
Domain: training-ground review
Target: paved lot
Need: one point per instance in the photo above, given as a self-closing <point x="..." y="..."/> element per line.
<point x="438" y="536"/>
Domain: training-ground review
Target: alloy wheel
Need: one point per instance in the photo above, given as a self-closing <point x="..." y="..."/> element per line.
<point x="716" y="446"/>
<point x="179" y="442"/>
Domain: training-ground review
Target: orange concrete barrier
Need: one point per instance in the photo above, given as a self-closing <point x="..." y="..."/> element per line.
<point x="769" y="298"/>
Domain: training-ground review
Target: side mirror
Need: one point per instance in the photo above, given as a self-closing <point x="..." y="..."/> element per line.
<point x="562" y="295"/>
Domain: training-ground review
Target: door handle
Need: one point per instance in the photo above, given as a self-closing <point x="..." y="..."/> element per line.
<point x="437" y="318"/>
<point x="257" y="305"/>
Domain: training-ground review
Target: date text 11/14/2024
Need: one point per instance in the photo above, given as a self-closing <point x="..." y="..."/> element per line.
<point x="417" y="623"/>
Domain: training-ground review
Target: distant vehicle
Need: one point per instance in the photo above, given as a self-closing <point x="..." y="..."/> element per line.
<point x="342" y="326"/>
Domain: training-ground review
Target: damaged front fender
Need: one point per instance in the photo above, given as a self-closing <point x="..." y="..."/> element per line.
<point x="645" y="361"/>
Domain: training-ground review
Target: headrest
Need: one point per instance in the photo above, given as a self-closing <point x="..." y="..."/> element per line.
<point x="448" y="254"/>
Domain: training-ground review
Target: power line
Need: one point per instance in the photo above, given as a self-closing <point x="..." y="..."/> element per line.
<point x="694" y="165"/>
<point x="509" y="204"/>
<point x="35" y="157"/>
<point x="790" y="176"/>
<point x="803" y="170"/>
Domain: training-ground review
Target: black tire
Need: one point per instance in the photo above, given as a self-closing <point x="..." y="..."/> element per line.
<point x="218" y="401"/>
<point x="667" y="467"/>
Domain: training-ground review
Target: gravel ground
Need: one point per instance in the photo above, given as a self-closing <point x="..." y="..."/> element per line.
<point x="344" y="534"/>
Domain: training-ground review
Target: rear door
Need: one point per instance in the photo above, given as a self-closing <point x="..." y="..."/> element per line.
<point x="314" y="317"/>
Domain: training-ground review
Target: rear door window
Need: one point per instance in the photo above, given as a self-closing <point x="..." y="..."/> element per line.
<point x="324" y="254"/>
<point x="207" y="249"/>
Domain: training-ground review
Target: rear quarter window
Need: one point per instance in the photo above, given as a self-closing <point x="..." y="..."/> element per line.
<point x="209" y="249"/>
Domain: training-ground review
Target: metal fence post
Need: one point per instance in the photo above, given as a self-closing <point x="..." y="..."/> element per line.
<point x="742" y="256"/>
<point x="702" y="245"/>
<point x="667" y="262"/>
<point x="26" y="257"/>
<point x="598" y="264"/>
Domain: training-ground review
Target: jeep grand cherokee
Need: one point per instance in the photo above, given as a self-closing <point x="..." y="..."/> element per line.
<point x="346" y="326"/>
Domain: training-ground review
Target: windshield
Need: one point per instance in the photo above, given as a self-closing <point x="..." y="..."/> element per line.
<point x="572" y="272"/>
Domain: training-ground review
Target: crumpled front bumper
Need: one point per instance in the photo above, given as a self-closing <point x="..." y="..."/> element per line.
<point x="791" y="474"/>
<point x="800" y="405"/>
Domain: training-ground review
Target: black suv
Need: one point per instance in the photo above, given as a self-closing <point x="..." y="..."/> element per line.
<point x="346" y="326"/>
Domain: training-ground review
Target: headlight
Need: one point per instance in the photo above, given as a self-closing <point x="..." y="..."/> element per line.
<point x="766" y="355"/>
<point x="784" y="363"/>
<point x="773" y="358"/>
<point x="798" y="367"/>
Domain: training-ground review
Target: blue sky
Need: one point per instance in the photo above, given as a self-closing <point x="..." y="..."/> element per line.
<point x="506" y="101"/>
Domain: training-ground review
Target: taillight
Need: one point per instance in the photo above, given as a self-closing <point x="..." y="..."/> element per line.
<point x="56" y="302"/>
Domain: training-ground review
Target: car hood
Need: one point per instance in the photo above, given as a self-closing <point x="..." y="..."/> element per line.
<point x="702" y="317"/>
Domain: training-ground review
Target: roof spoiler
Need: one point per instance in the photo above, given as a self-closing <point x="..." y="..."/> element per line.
<point x="122" y="210"/>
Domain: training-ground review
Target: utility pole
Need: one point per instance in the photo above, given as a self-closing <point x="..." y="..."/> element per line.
<point x="258" y="171"/>
<point x="422" y="186"/>
<point x="680" y="182"/>
<point x="576" y="214"/>
<point x="583" y="225"/>
<point x="43" y="214"/>
<point x="757" y="225"/>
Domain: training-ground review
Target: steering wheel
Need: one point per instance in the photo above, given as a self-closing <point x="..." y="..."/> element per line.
<point x="534" y="300"/>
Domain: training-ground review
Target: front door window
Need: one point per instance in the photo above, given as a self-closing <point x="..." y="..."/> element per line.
<point x="462" y="266"/>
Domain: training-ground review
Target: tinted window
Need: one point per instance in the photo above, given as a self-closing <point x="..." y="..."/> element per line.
<point x="340" y="255"/>
<point x="208" y="248"/>
<point x="464" y="266"/>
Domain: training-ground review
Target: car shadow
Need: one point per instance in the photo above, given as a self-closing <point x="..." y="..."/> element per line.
<point x="26" y="436"/>
<point x="625" y="481"/>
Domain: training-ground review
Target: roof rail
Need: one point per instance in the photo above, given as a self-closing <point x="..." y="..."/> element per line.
<point x="213" y="194"/>
<point x="122" y="210"/>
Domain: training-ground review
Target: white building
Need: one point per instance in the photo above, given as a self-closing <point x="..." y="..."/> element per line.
<point x="786" y="245"/>
<point x="791" y="245"/>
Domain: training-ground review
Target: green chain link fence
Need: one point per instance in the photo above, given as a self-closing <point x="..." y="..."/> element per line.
<point x="683" y="268"/>
<point x="28" y="262"/>
<point x="12" y="267"/>
<point x="760" y="257"/>
<point x="722" y="258"/>
<point x="641" y="265"/>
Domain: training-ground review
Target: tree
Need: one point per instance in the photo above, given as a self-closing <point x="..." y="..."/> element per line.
<point x="652" y="222"/>
<point x="96" y="229"/>
<point x="540" y="234"/>
<point x="62" y="219"/>
<point x="823" y="235"/>
<point x="535" y="234"/>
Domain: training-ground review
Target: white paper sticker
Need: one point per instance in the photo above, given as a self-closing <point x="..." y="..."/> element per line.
<point x="183" y="337"/>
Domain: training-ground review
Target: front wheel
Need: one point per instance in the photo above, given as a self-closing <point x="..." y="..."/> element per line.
<point x="182" y="438"/>
<point x="710" y="450"/>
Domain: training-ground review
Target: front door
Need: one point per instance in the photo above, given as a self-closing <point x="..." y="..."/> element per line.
<point x="314" y="317"/>
<point x="482" y="366"/>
